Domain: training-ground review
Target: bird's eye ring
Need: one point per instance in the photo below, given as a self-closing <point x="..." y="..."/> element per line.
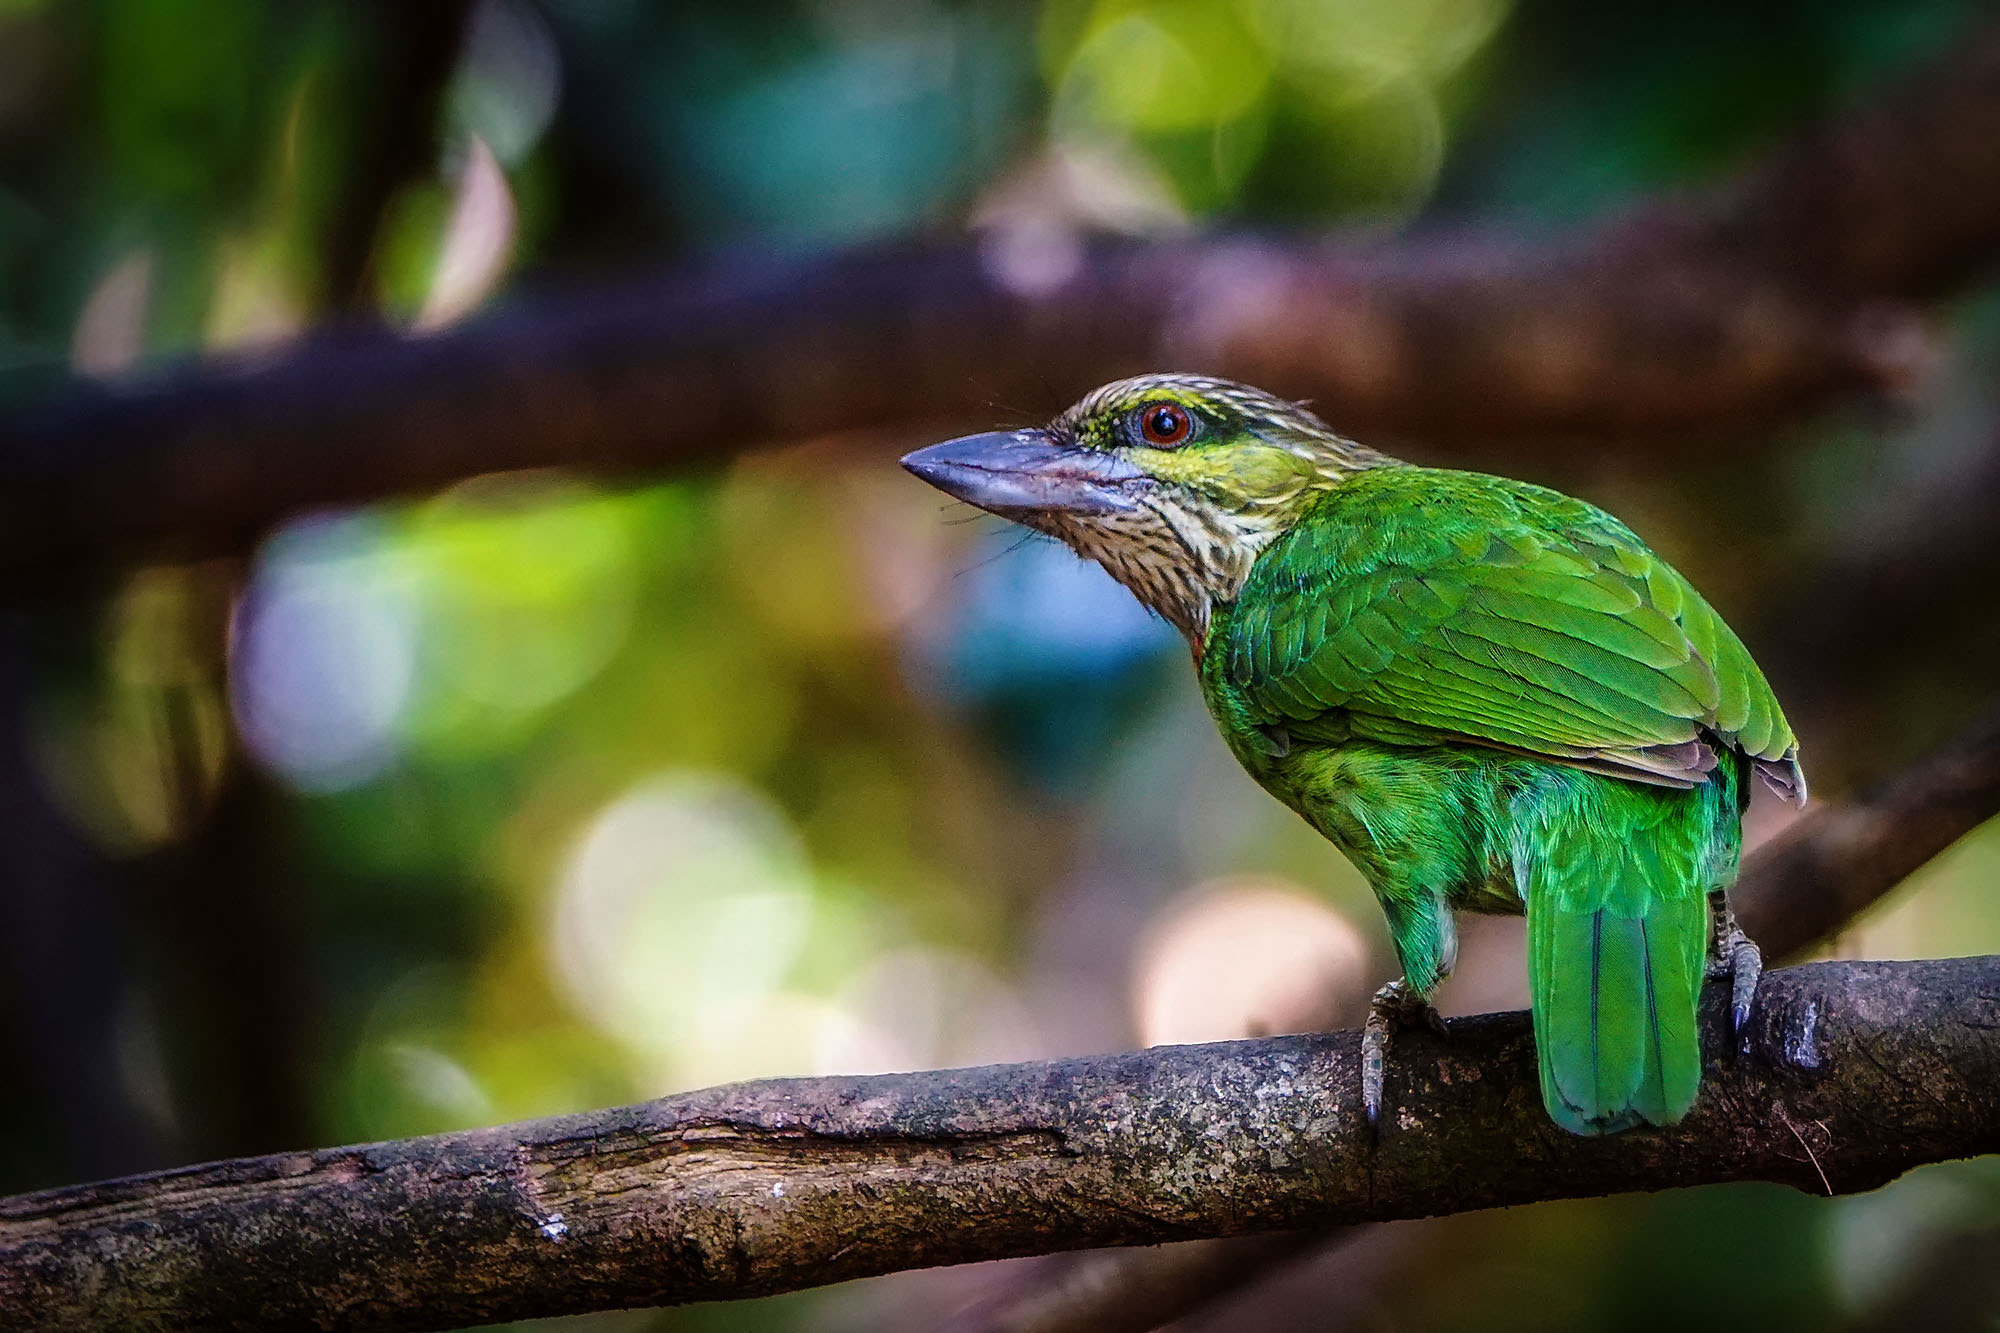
<point x="1164" y="425"/>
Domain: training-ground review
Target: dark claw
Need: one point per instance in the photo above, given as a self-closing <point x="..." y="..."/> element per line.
<point x="1374" y="1059"/>
<point x="1393" y="1007"/>
<point x="1735" y="956"/>
<point x="1746" y="969"/>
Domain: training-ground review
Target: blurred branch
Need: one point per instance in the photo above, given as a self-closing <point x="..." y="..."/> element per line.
<point x="1796" y="891"/>
<point x="1890" y="606"/>
<point x="1136" y="1290"/>
<point x="1810" y="881"/>
<point x="1775" y="296"/>
<point x="1855" y="1073"/>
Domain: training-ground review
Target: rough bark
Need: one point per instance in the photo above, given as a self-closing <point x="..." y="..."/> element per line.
<point x="1776" y="295"/>
<point x="1855" y="1073"/>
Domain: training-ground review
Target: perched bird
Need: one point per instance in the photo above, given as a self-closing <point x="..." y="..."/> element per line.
<point x="1490" y="696"/>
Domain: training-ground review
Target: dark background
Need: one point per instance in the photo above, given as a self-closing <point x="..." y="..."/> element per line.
<point x="552" y="791"/>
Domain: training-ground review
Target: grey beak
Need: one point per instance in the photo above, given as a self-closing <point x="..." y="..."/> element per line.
<point x="1017" y="472"/>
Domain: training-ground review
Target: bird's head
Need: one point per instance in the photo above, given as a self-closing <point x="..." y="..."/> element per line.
<point x="1173" y="483"/>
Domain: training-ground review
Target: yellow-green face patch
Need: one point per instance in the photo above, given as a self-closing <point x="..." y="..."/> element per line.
<point x="1174" y="483"/>
<point x="1243" y="447"/>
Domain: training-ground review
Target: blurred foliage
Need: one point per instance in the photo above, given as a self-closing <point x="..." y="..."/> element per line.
<point x="580" y="795"/>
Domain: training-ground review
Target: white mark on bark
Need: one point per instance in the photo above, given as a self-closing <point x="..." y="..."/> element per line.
<point x="1802" y="1047"/>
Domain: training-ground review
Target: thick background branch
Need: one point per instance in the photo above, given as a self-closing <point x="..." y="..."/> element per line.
<point x="1773" y="296"/>
<point x="1827" y="868"/>
<point x="1855" y="1072"/>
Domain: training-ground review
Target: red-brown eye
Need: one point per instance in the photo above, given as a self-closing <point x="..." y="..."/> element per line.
<point x="1165" y="425"/>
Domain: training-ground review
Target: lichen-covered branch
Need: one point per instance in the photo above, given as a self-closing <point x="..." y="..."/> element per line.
<point x="1773" y="296"/>
<point x="1855" y="1073"/>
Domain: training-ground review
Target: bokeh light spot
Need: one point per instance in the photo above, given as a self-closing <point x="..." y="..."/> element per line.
<point x="325" y="653"/>
<point x="1166" y="66"/>
<point x="680" y="913"/>
<point x="1246" y="956"/>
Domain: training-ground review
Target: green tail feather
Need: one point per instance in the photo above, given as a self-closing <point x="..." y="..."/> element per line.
<point x="1617" y="936"/>
<point x="1615" y="1013"/>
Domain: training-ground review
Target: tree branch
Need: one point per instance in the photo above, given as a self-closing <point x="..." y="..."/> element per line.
<point x="1771" y="297"/>
<point x="673" y="1201"/>
<point x="1855" y="1073"/>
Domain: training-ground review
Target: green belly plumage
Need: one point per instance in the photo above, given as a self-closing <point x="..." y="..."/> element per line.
<point x="1613" y="875"/>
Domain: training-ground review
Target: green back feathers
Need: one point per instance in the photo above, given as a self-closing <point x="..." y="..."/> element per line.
<point x="1459" y="606"/>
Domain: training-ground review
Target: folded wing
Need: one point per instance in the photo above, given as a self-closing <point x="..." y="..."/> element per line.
<point x="1417" y="605"/>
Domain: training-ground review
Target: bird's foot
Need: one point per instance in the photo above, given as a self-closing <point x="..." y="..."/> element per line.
<point x="1394" y="1006"/>
<point x="1736" y="957"/>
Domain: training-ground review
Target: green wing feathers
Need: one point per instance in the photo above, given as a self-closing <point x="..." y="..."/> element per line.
<point x="1616" y="878"/>
<point x="1418" y="602"/>
<point x="1438" y="610"/>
